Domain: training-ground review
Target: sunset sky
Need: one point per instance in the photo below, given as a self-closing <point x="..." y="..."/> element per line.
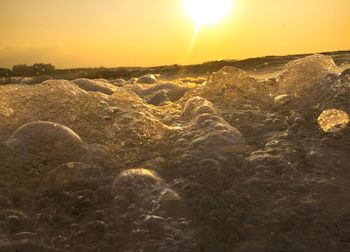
<point x="93" y="33"/>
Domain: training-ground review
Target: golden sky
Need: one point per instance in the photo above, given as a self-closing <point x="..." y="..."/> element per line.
<point x="93" y="33"/>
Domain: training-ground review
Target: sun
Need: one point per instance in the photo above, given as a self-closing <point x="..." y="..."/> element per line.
<point x="207" y="11"/>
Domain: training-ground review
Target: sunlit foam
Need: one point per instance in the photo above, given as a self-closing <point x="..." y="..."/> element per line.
<point x="333" y="120"/>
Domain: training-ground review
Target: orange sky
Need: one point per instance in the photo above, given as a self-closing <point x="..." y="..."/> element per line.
<point x="87" y="33"/>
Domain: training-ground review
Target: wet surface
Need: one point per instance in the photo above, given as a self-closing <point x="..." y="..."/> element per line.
<point x="226" y="162"/>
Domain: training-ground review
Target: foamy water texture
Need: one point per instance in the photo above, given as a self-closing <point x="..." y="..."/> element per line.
<point x="225" y="162"/>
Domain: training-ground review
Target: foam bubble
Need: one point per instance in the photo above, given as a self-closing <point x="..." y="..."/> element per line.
<point x="333" y="120"/>
<point x="47" y="142"/>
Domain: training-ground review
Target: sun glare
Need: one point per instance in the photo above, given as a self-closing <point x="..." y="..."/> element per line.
<point x="207" y="11"/>
<point x="204" y="12"/>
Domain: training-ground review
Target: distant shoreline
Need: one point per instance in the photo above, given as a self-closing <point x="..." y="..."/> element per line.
<point x="341" y="58"/>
